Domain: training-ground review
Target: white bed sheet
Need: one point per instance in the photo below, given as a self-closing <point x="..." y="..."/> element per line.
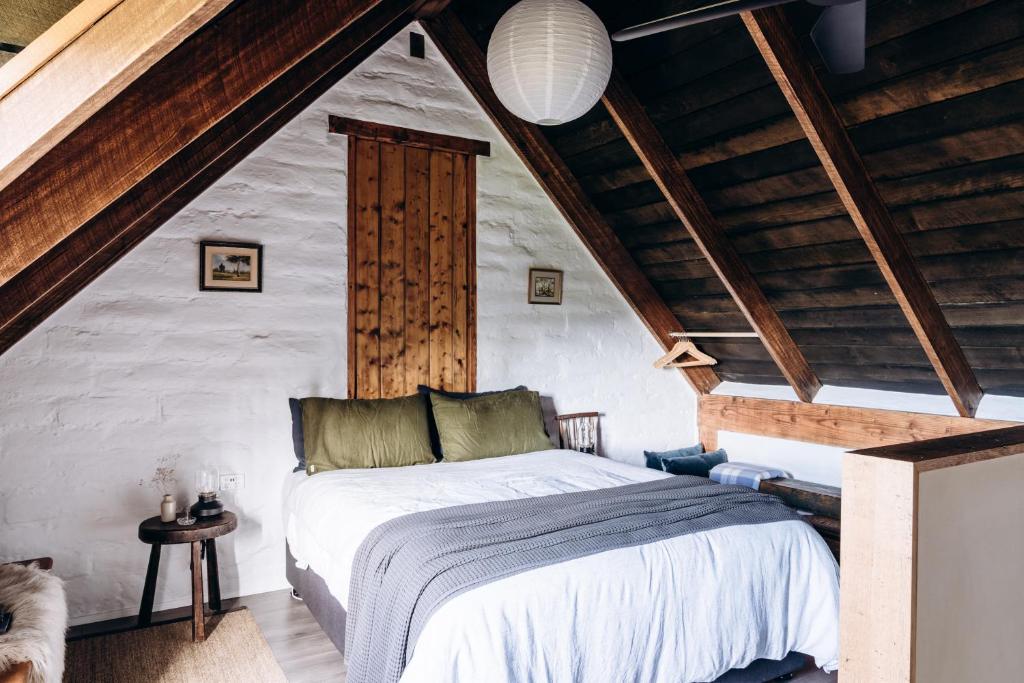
<point x="685" y="609"/>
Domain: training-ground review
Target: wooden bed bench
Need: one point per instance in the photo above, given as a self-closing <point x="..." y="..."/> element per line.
<point x="825" y="502"/>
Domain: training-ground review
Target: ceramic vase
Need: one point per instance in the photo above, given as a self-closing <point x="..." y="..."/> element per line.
<point x="168" y="510"/>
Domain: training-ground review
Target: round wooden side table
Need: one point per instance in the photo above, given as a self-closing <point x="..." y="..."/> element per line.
<point x="201" y="536"/>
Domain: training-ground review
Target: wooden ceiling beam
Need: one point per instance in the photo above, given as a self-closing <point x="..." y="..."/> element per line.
<point x="832" y="425"/>
<point x="41" y="286"/>
<point x="842" y="162"/>
<point x="708" y="234"/>
<point x="47" y="91"/>
<point x="554" y="176"/>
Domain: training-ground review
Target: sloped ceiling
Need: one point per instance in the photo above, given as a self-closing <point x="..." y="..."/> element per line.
<point x="938" y="117"/>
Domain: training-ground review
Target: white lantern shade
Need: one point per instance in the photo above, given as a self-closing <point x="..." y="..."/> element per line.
<point x="549" y="61"/>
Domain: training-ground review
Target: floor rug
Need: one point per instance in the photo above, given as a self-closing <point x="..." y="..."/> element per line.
<point x="234" y="651"/>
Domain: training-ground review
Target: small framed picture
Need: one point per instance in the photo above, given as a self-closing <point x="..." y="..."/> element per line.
<point x="545" y="286"/>
<point x="230" y="267"/>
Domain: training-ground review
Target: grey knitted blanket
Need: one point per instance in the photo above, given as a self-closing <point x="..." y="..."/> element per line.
<point x="411" y="565"/>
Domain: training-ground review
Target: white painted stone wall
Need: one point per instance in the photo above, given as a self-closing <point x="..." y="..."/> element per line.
<point x="142" y="365"/>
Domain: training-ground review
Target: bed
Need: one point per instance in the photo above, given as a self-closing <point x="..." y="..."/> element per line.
<point x="688" y="608"/>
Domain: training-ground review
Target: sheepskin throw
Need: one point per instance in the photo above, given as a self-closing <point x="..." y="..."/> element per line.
<point x="35" y="598"/>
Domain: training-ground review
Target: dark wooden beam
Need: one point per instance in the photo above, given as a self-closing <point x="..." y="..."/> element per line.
<point x="554" y="176"/>
<point x="842" y="162"/>
<point x="681" y="194"/>
<point x="36" y="290"/>
<point x="382" y="132"/>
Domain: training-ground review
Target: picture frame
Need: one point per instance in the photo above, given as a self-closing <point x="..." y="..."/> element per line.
<point x="230" y="267"/>
<point x="545" y="286"/>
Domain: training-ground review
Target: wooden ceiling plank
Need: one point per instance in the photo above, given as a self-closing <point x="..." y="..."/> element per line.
<point x="687" y="204"/>
<point x="39" y="289"/>
<point x="469" y="62"/>
<point x="824" y="129"/>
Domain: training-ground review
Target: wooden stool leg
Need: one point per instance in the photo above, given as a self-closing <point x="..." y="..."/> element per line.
<point x="212" y="575"/>
<point x="149" y="589"/>
<point x="198" y="622"/>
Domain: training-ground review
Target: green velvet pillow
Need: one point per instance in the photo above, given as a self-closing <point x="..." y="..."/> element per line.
<point x="488" y="426"/>
<point x="357" y="433"/>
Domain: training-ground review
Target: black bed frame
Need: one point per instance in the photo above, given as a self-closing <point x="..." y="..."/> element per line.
<point x="312" y="589"/>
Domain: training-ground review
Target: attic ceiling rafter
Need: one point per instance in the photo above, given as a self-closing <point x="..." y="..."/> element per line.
<point x="351" y="32"/>
<point x="554" y="176"/>
<point x="708" y="234"/>
<point x="824" y="129"/>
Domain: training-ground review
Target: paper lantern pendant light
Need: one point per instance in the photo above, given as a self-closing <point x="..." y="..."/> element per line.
<point x="549" y="60"/>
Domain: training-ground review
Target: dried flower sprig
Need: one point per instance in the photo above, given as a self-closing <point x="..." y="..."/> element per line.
<point x="163" y="480"/>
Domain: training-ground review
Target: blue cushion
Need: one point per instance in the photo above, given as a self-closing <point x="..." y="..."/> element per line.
<point x="655" y="458"/>
<point x="696" y="465"/>
<point x="298" y="440"/>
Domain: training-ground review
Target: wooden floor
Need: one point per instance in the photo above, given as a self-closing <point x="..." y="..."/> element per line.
<point x="301" y="648"/>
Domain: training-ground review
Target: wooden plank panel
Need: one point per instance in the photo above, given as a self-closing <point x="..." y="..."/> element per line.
<point x="460" y="272"/>
<point x="470" y="331"/>
<point x="691" y="210"/>
<point x="366" y="192"/>
<point x="551" y="172"/>
<point x="417" y="268"/>
<point x="842" y="426"/>
<point x="441" y="360"/>
<point x="392" y="270"/>
<point x="353" y="267"/>
<point x="824" y="128"/>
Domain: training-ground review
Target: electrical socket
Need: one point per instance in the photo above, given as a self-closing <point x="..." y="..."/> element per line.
<point x="232" y="482"/>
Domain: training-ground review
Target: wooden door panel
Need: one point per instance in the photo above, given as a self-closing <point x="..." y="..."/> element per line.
<point x="392" y="270"/>
<point x="412" y="256"/>
<point x="441" y="270"/>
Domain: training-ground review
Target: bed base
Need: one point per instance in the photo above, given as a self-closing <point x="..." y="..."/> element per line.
<point x="331" y="616"/>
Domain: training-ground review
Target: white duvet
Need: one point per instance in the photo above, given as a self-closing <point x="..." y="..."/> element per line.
<point x="685" y="609"/>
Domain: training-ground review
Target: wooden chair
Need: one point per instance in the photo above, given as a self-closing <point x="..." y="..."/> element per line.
<point x="20" y="673"/>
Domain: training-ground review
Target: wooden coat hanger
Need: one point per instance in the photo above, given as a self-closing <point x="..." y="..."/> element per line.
<point x="684" y="347"/>
<point x="686" y="350"/>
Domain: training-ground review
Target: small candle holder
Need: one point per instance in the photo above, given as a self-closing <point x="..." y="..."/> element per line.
<point x="208" y="505"/>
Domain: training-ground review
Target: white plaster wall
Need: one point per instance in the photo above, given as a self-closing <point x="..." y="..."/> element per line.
<point x="142" y="365"/>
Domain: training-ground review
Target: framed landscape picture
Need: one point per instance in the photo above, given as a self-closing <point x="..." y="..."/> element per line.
<point x="230" y="267"/>
<point x="545" y="286"/>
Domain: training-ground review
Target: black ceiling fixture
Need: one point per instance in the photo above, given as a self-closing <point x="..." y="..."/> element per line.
<point x="838" y="33"/>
